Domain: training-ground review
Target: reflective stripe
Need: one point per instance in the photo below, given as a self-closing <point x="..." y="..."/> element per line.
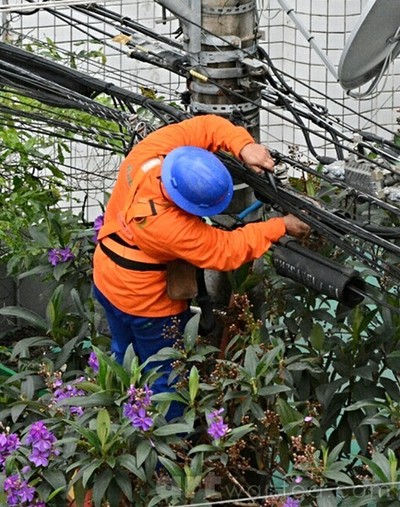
<point x="128" y="252"/>
<point x="150" y="164"/>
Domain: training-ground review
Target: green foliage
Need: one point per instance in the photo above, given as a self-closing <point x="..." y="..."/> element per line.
<point x="294" y="414"/>
<point x="308" y="402"/>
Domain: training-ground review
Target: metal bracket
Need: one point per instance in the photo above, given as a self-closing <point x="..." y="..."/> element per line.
<point x="228" y="11"/>
<point x="220" y="56"/>
<point x="226" y="40"/>
<point x="223" y="108"/>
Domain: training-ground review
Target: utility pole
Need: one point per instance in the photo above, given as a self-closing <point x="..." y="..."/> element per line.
<point x="228" y="42"/>
<point x="220" y="39"/>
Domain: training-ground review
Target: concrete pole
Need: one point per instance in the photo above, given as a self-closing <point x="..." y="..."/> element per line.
<point x="228" y="39"/>
<point x="220" y="36"/>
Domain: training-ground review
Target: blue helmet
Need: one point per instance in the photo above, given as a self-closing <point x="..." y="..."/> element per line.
<point x="197" y="181"/>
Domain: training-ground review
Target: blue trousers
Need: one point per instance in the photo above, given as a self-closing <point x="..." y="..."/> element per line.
<point x="147" y="336"/>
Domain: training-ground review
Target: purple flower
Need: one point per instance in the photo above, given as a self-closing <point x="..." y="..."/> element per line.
<point x="42" y="441"/>
<point x="39" y="458"/>
<point x="308" y="419"/>
<point x="58" y="255"/>
<point x="142" y="420"/>
<point x="63" y="391"/>
<point x="216" y="426"/>
<point x="18" y="491"/>
<point x="66" y="254"/>
<point x="97" y="225"/>
<point x="291" y="502"/>
<point x="54" y="257"/>
<point x="93" y="362"/>
<point x="136" y="409"/>
<point x="8" y="444"/>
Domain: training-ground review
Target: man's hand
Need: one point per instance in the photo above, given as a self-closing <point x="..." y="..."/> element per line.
<point x="295" y="227"/>
<point x="257" y="157"/>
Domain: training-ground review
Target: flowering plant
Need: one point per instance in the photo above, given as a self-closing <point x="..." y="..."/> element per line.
<point x="243" y="430"/>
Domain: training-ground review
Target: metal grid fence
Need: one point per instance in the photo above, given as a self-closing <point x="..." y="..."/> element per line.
<point x="329" y="21"/>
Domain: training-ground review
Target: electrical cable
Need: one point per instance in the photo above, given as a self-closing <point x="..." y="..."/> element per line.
<point x="114" y="16"/>
<point x="360" y="232"/>
<point x="331" y="226"/>
<point x="150" y="33"/>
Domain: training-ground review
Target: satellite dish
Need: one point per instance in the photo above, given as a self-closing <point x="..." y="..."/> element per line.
<point x="373" y="43"/>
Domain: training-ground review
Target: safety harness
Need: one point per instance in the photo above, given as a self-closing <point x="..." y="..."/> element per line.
<point x="126" y="255"/>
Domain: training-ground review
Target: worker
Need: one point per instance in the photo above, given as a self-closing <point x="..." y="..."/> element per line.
<point x="154" y="234"/>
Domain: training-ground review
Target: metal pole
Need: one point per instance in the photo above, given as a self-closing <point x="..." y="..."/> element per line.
<point x="189" y="12"/>
<point x="229" y="37"/>
<point x="309" y="37"/>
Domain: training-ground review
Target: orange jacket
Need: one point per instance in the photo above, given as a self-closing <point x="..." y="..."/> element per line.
<point x="172" y="233"/>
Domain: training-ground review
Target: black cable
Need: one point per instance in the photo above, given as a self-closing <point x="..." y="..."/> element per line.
<point x="330" y="226"/>
<point x="317" y="110"/>
<point x="236" y="94"/>
<point x="338" y="103"/>
<point x="126" y="22"/>
<point x="338" y="183"/>
<point x="264" y="56"/>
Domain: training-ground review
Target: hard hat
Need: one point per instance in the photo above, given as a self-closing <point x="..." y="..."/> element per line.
<point x="197" y="181"/>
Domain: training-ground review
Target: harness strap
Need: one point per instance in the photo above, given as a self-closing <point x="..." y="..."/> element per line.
<point x="129" y="253"/>
<point x="131" y="264"/>
<point x="114" y="236"/>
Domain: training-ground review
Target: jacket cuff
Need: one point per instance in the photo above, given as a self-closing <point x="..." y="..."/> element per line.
<point x="276" y="228"/>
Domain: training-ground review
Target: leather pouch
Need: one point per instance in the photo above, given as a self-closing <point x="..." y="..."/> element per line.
<point x="181" y="280"/>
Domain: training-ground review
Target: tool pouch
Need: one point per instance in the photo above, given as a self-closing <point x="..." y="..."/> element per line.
<point x="181" y="280"/>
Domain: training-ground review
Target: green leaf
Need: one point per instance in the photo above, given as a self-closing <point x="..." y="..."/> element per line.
<point x="65" y="353"/>
<point x="174" y="470"/>
<point x="172" y="429"/>
<point x="17" y="410"/>
<point x="125" y="484"/>
<point x="103" y="425"/>
<point x="55" y="478"/>
<point x="271" y="390"/>
<point x="142" y="451"/>
<point x="393" y="465"/>
<point x="28" y="316"/>
<point x="380" y="470"/>
<point x="289" y="417"/>
<point x="250" y="362"/>
<point x="93" y="400"/>
<point x="22" y="347"/>
<point x="338" y="477"/>
<point x="164" y="449"/>
<point x="129" y="462"/>
<point x="393" y="360"/>
<point x="78" y="302"/>
<point x="237" y="433"/>
<point x="191" y="332"/>
<point x="317" y="337"/>
<point x="193" y="384"/>
<point x="204" y="448"/>
<point x="119" y="370"/>
<point x="168" y="397"/>
<point x="88" y="470"/>
<point x="333" y="455"/>
<point x="90" y="436"/>
<point x="40" y="237"/>
<point x="100" y="487"/>
<point x="28" y="388"/>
